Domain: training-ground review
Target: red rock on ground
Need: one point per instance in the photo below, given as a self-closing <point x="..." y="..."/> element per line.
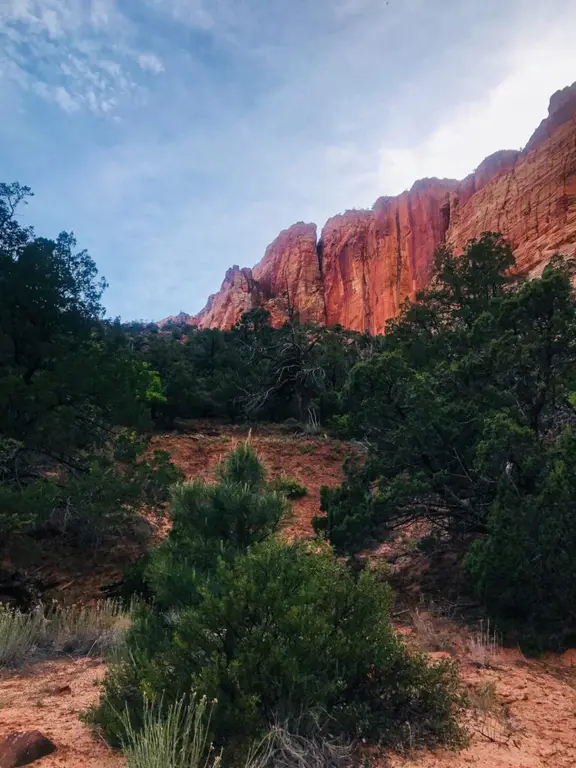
<point x="24" y="747"/>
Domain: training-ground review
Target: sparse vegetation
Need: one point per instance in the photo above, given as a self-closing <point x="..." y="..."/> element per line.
<point x="175" y="736"/>
<point x="428" y="631"/>
<point x="485" y="645"/>
<point x="290" y="487"/>
<point x="55" y="630"/>
<point x="284" y="748"/>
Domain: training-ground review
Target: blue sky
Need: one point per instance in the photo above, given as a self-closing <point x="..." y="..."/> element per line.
<point x="178" y="137"/>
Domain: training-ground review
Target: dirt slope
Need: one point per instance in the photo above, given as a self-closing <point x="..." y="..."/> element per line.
<point x="524" y="713"/>
<point x="314" y="462"/>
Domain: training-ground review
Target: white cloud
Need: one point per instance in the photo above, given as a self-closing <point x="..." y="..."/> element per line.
<point x="54" y="17"/>
<point x="103" y="12"/>
<point x="503" y="118"/>
<point x="150" y="62"/>
<point x="65" y="100"/>
<point x="75" y="53"/>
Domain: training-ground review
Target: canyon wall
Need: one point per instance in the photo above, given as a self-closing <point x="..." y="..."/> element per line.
<point x="366" y="262"/>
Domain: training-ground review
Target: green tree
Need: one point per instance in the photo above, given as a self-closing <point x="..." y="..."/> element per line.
<point x="271" y="630"/>
<point x="212" y="523"/>
<point x="471" y="392"/>
<point x="68" y="380"/>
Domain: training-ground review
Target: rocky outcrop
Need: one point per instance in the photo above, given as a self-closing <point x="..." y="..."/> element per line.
<point x="287" y="282"/>
<point x="366" y="262"/>
<point x="373" y="259"/>
<point x="180" y="319"/>
<point x="238" y="294"/>
<point x="533" y="203"/>
<point x="290" y="278"/>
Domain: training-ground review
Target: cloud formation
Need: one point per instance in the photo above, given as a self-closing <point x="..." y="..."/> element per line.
<point x="79" y="54"/>
<point x="177" y="137"/>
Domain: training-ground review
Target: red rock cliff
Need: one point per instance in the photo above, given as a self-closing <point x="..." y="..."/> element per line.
<point x="367" y="262"/>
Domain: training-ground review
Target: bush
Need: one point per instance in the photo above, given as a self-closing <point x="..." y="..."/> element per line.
<point x="349" y="522"/>
<point x="104" y="497"/>
<point x="289" y="632"/>
<point x="289" y="486"/>
<point x="524" y="568"/>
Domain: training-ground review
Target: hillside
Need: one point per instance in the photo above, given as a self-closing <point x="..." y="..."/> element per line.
<point x="523" y="709"/>
<point x="365" y="263"/>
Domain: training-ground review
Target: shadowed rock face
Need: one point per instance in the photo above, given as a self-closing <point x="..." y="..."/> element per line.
<point x="366" y="262"/>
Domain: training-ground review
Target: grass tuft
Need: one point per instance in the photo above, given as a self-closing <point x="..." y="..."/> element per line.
<point x="485" y="646"/>
<point x="43" y="632"/>
<point x="20" y="634"/>
<point x="176" y="736"/>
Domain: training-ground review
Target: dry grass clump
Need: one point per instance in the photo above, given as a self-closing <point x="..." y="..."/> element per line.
<point x="177" y="736"/>
<point x="51" y="631"/>
<point x="489" y="718"/>
<point x="429" y="633"/>
<point x="282" y="748"/>
<point x="485" y="646"/>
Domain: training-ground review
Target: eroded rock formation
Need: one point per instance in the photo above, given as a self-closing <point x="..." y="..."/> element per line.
<point x="366" y="262"/>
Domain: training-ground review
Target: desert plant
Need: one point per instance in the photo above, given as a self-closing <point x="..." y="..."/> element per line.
<point x="429" y="633"/>
<point x="212" y="522"/>
<point x="82" y="630"/>
<point x="489" y="718"/>
<point x="285" y="631"/>
<point x="88" y="629"/>
<point x="485" y="645"/>
<point x="289" y="486"/>
<point x="284" y="747"/>
<point x="20" y="634"/>
<point x="175" y="736"/>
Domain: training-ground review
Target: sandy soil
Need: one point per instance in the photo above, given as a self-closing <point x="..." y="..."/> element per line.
<point x="524" y="713"/>
<point x="49" y="697"/>
<point x="531" y="722"/>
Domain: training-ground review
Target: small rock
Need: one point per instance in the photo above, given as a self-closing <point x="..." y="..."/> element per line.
<point x="24" y="747"/>
<point x="57" y="690"/>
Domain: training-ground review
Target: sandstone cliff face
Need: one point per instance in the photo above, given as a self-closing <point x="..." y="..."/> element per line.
<point x="289" y="276"/>
<point x="534" y="203"/>
<point x="367" y="262"/>
<point x="287" y="282"/>
<point x="238" y="294"/>
<point x="373" y="259"/>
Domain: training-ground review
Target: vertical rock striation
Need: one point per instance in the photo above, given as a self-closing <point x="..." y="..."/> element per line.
<point x="367" y="262"/>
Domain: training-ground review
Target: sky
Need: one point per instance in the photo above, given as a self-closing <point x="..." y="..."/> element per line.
<point x="178" y="137"/>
